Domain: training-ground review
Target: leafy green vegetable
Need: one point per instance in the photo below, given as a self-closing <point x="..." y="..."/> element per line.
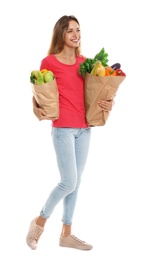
<point x="87" y="65"/>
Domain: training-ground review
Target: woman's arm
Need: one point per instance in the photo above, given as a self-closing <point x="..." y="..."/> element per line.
<point x="107" y="104"/>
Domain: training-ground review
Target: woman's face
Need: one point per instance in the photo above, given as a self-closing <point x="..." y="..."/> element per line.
<point x="72" y="35"/>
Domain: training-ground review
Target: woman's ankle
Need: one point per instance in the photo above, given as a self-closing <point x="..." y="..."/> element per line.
<point x="40" y="221"/>
<point x="66" y="230"/>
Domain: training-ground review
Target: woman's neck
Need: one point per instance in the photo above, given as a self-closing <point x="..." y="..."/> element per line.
<point x="67" y="57"/>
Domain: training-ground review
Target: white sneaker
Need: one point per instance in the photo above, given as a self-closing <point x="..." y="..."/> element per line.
<point x="74" y="242"/>
<point x="34" y="234"/>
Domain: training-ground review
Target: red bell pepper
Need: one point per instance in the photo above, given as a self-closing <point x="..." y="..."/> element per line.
<point x="119" y="72"/>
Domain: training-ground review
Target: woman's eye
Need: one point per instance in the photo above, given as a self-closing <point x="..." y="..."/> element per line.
<point x="70" y="31"/>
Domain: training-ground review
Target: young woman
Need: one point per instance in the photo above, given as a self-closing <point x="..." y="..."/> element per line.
<point x="70" y="132"/>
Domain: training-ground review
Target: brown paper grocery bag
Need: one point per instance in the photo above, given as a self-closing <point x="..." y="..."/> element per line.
<point x="47" y="96"/>
<point x="98" y="88"/>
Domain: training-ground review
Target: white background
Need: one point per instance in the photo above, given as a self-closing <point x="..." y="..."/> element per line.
<point x="109" y="210"/>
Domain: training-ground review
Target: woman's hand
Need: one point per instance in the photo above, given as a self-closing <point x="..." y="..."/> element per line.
<point x="107" y="104"/>
<point x="39" y="113"/>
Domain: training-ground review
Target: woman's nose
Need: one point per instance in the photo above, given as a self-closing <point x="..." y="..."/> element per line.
<point x="75" y="33"/>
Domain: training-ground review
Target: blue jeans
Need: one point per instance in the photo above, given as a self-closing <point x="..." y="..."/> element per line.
<point x="71" y="147"/>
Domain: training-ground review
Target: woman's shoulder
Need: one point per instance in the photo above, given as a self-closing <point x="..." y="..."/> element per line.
<point x="48" y="58"/>
<point x="47" y="61"/>
<point x="81" y="58"/>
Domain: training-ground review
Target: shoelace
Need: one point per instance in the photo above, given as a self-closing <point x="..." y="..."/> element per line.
<point x="37" y="233"/>
<point x="77" y="239"/>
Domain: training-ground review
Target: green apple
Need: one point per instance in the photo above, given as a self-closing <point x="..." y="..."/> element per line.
<point x="49" y="76"/>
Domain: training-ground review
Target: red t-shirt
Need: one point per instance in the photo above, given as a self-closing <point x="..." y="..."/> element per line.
<point x="71" y="92"/>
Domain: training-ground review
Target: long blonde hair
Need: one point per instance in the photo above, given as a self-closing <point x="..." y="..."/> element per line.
<point x="57" y="41"/>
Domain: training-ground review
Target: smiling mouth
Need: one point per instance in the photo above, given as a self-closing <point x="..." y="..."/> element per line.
<point x="76" y="41"/>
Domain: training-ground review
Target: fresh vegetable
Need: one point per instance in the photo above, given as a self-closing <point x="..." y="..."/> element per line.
<point x="119" y="72"/>
<point x="86" y="66"/>
<point x="98" y="66"/>
<point x="116" y="66"/>
<point x="89" y="63"/>
<point x="102" y="56"/>
<point x="98" y="69"/>
<point x="101" y="71"/>
<point x="39" y="77"/>
<point x="36" y="77"/>
<point x="109" y="71"/>
<point x="43" y="71"/>
<point x="49" y="76"/>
